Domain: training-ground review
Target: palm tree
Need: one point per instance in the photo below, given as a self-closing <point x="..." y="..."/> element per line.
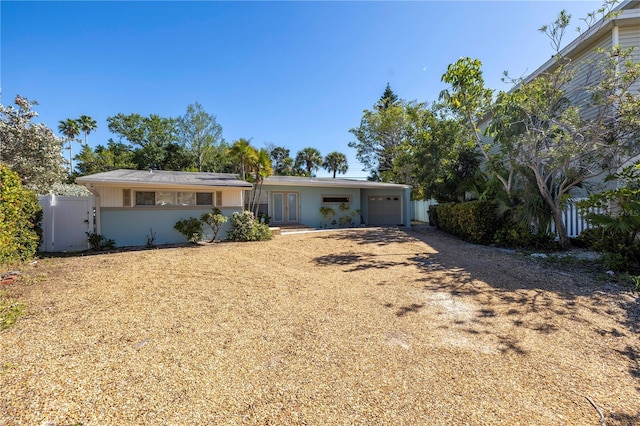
<point x="71" y="130"/>
<point x="87" y="125"/>
<point x="261" y="168"/>
<point x="336" y="162"/>
<point x="242" y="153"/>
<point x="310" y="158"/>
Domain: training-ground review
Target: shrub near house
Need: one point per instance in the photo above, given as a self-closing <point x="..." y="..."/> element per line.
<point x="20" y="216"/>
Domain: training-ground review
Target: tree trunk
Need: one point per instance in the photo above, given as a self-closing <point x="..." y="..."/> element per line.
<point x="561" y="230"/>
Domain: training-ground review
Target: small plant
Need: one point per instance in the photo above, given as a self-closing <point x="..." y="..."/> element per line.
<point x="99" y="242"/>
<point x="635" y="282"/>
<point x="263" y="217"/>
<point x="327" y="214"/>
<point x="10" y="311"/>
<point x="190" y="228"/>
<point x="151" y="237"/>
<point x="214" y="219"/>
<point x="245" y="227"/>
<point x="347" y="219"/>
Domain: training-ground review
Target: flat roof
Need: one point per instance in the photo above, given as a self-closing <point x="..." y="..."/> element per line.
<point x="165" y="178"/>
<point x="329" y="182"/>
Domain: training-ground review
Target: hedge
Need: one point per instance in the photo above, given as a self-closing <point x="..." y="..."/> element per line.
<point x="473" y="221"/>
<point x="20" y="217"/>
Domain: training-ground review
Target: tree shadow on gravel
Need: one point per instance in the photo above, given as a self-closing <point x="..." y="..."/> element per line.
<point x="530" y="293"/>
<point x="527" y="286"/>
<point x="361" y="261"/>
<point x="380" y="236"/>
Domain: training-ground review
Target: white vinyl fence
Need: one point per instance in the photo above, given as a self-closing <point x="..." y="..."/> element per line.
<point x="65" y="222"/>
<point x="420" y="209"/>
<point x="573" y="218"/>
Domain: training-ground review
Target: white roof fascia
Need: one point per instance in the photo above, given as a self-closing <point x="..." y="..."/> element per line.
<point x="372" y="185"/>
<point x="581" y="42"/>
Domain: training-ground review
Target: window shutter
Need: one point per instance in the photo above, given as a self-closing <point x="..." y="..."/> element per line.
<point x="126" y="198"/>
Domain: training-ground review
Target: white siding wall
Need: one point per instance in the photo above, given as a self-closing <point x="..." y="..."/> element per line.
<point x="587" y="75"/>
<point x="630" y="37"/>
<point x="110" y="196"/>
<point x="232" y="198"/>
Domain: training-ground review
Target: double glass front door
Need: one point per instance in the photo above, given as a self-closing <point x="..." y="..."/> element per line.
<point x="285" y="207"/>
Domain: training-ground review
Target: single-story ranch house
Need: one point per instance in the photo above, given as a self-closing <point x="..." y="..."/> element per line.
<point x="131" y="203"/>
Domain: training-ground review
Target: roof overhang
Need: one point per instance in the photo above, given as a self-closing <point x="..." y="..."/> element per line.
<point x="329" y="183"/>
<point x="623" y="17"/>
<point x="164" y="179"/>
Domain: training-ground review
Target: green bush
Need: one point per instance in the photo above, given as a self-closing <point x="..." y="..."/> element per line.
<point x="190" y="228"/>
<point x="473" y="221"/>
<point x="620" y="255"/>
<point x="515" y="235"/>
<point x="20" y="216"/>
<point x="615" y="215"/>
<point x="99" y="242"/>
<point x="245" y="227"/>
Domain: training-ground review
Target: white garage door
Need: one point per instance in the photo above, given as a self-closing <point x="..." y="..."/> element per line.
<point x="385" y="210"/>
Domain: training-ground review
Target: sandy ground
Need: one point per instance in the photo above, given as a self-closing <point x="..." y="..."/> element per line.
<point x="362" y="326"/>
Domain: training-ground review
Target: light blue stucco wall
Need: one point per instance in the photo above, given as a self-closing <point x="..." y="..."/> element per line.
<point x="130" y="227"/>
<point x="311" y="201"/>
<point x="405" y="193"/>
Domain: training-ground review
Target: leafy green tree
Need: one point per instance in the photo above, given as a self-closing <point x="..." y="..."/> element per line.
<point x="310" y="159"/>
<point x="440" y="161"/>
<point x="561" y="143"/>
<point x="86" y="125"/>
<point x="154" y="137"/>
<point x="20" y="216"/>
<point x="116" y="155"/>
<point x="71" y="130"/>
<point x="381" y="134"/>
<point x="200" y="133"/>
<point x="473" y="101"/>
<point x="335" y="162"/>
<point x="30" y="149"/>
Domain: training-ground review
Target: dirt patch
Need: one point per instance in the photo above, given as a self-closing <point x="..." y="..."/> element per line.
<point x="364" y="326"/>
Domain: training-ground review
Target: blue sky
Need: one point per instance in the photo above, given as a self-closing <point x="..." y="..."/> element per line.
<point x="294" y="74"/>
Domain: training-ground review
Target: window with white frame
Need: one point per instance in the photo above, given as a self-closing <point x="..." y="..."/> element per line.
<point x="178" y="198"/>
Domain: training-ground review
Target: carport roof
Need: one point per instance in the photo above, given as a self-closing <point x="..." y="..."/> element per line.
<point x="330" y="182"/>
<point x="165" y="178"/>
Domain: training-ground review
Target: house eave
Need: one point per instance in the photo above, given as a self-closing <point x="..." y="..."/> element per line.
<point x="585" y="41"/>
<point x="334" y="183"/>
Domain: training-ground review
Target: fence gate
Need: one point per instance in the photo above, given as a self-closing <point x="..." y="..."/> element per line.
<point x="65" y="222"/>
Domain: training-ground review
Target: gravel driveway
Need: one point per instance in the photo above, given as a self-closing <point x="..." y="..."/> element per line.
<point x="361" y="326"/>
